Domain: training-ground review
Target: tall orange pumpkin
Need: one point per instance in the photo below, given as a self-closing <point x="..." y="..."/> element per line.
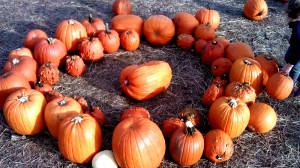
<point x="70" y="32"/>
<point x="138" y="142"/>
<point x="147" y="80"/>
<point x="208" y="16"/>
<point x="255" y="9"/>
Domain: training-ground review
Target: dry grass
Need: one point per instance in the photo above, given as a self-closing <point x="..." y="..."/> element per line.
<point x="100" y="85"/>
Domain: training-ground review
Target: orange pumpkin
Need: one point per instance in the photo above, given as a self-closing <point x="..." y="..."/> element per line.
<point x="24" y="111"/>
<point x="269" y="66"/>
<point x="110" y="40"/>
<point x="23" y="51"/>
<point x="91" y="49"/>
<point x="42" y="87"/>
<point x="97" y="114"/>
<point x="58" y="109"/>
<point x="170" y="125"/>
<point x="147" y="80"/>
<point x="242" y="90"/>
<point x="93" y="25"/>
<point x="48" y="73"/>
<point x="214" y="91"/>
<point x="279" y="86"/>
<point x="212" y="51"/>
<point x="130" y="40"/>
<point x="230" y="115"/>
<point x="80" y="138"/>
<point x="221" y="66"/>
<point x="208" y="16"/>
<point x="185" y="23"/>
<point x="185" y="41"/>
<point x="159" y="29"/>
<point x="135" y="111"/>
<point x="199" y="45"/>
<point x="238" y="50"/>
<point x="222" y="40"/>
<point x="138" y="142"/>
<point x="255" y="9"/>
<point x="121" y="23"/>
<point x="205" y="32"/>
<point x="75" y="65"/>
<point x="190" y="114"/>
<point x="121" y="7"/>
<point x="34" y="36"/>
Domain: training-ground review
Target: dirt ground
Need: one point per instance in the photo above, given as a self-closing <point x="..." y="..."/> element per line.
<point x="100" y="85"/>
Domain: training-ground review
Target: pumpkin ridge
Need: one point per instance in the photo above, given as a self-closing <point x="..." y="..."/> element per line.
<point x="150" y="142"/>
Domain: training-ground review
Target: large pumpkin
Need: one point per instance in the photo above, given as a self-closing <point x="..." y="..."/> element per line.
<point x="230" y="115"/>
<point x="158" y="29"/>
<point x="269" y="66"/>
<point x="58" y="109"/>
<point x="24" y="111"/>
<point x="121" y="23"/>
<point x="70" y="32"/>
<point x="138" y="142"/>
<point x="238" y="50"/>
<point x="279" y="86"/>
<point x="247" y="70"/>
<point x="79" y="138"/>
<point x="147" y="80"/>
<point x="208" y="16"/>
<point x="255" y="9"/>
<point x="185" y="23"/>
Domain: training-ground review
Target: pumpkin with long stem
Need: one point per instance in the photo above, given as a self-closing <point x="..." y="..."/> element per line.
<point x="110" y="39"/>
<point x="92" y="25"/>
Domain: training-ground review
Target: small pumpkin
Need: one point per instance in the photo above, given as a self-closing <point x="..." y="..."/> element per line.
<point x="242" y="90"/>
<point x="23" y="111"/>
<point x="80" y="138"/>
<point x="214" y="91"/>
<point x="255" y="9"/>
<point x="199" y="45"/>
<point x="121" y="7"/>
<point x="42" y="87"/>
<point x="97" y="113"/>
<point x="110" y="40"/>
<point x="185" y="41"/>
<point x="269" y="66"/>
<point x="159" y="29"/>
<point x="238" y="50"/>
<point x="135" y="111"/>
<point x="222" y="80"/>
<point x="105" y="157"/>
<point x="218" y="146"/>
<point x="208" y="16"/>
<point x="230" y="115"/>
<point x="91" y="49"/>
<point x="83" y="103"/>
<point x="190" y="114"/>
<point x="130" y="40"/>
<point x="51" y="95"/>
<point x="185" y="23"/>
<point x="75" y="65"/>
<point x="23" y="51"/>
<point x="93" y="25"/>
<point x="70" y="32"/>
<point x="121" y="23"/>
<point x="222" y="40"/>
<point x="205" y="32"/>
<point x="32" y="37"/>
<point x="48" y="73"/>
<point x="263" y="118"/>
<point x="221" y="66"/>
<point x="147" y="80"/>
<point x="212" y="51"/>
<point x="170" y="125"/>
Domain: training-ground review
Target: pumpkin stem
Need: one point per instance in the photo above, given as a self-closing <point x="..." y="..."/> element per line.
<point x="247" y="62"/>
<point x="48" y="64"/>
<point x="107" y="28"/>
<point x="268" y="57"/>
<point x="71" y="21"/>
<point x="77" y="119"/>
<point x="214" y="42"/>
<point x="50" y="40"/>
<point x="126" y="82"/>
<point x="91" y="20"/>
<point x="190" y="128"/>
<point x="219" y="157"/>
<point x="15" y="61"/>
<point x="62" y="103"/>
<point x="23" y="98"/>
<point x="39" y="83"/>
<point x="232" y="103"/>
<point x="91" y="39"/>
<point x="215" y="67"/>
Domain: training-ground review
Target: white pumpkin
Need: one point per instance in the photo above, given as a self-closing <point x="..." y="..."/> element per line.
<point x="105" y="159"/>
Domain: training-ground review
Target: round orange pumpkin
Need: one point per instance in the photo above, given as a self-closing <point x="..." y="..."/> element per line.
<point x="212" y="51"/>
<point x="269" y="66"/>
<point x="200" y="45"/>
<point x="185" y="41"/>
<point x="238" y="50"/>
<point x="23" y="51"/>
<point x="205" y="32"/>
<point x="91" y="49"/>
<point x="75" y="65"/>
<point x="110" y="40"/>
<point x="221" y="66"/>
<point x="185" y="23"/>
<point x="242" y="90"/>
<point x="279" y="86"/>
<point x="93" y="25"/>
<point x="130" y="40"/>
<point x="255" y="9"/>
<point x="121" y="23"/>
<point x="121" y="7"/>
<point x="208" y="16"/>
<point x="34" y="36"/>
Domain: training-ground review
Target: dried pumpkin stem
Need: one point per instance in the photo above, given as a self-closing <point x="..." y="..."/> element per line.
<point x="219" y="157"/>
<point x="91" y="20"/>
<point x="190" y="128"/>
<point x="268" y="57"/>
<point x="214" y="42"/>
<point x="62" y="103"/>
<point x="247" y="62"/>
<point x="232" y="103"/>
<point x="50" y="40"/>
<point x="71" y="21"/>
<point x="77" y="119"/>
<point x="107" y="28"/>
<point x="15" y="61"/>
<point x="23" y="98"/>
<point x="126" y="82"/>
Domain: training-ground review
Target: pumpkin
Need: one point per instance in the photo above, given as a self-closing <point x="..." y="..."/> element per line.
<point x="205" y="32"/>
<point x="97" y="113"/>
<point x="158" y="29"/>
<point x="58" y="109"/>
<point x="221" y="66"/>
<point x="70" y="32"/>
<point x="121" y="7"/>
<point x="23" y="111"/>
<point x="79" y="138"/>
<point x="121" y="23"/>
<point x="263" y="118"/>
<point x="138" y="142"/>
<point x="208" y="16"/>
<point x="190" y="114"/>
<point x="23" y="51"/>
<point x="199" y="45"/>
<point x="170" y="125"/>
<point x="185" y="41"/>
<point x="238" y="50"/>
<point x="221" y="80"/>
<point x="247" y="70"/>
<point x="32" y="37"/>
<point x="93" y="25"/>
<point x="242" y="90"/>
<point x="75" y="65"/>
<point x="186" y="145"/>
<point x="222" y="40"/>
<point x="91" y="49"/>
<point x="135" y="111"/>
<point x="230" y="115"/>
<point x="218" y="146"/>
<point x="147" y="80"/>
<point x="51" y="95"/>
<point x="105" y="157"/>
<point x="269" y="66"/>
<point x="255" y="9"/>
<point x="110" y="40"/>
<point x="130" y="40"/>
<point x="10" y="82"/>
<point x="279" y="86"/>
<point x="212" y="51"/>
<point x="25" y="65"/>
<point x="214" y="91"/>
<point x="48" y="73"/>
<point x="50" y="50"/>
<point x="83" y="103"/>
<point x="42" y="87"/>
<point x="185" y="23"/>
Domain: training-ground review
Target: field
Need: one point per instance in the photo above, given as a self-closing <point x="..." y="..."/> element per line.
<point x="100" y="85"/>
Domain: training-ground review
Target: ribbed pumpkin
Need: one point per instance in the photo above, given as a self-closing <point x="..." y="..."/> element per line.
<point x="230" y="115"/>
<point x="242" y="90"/>
<point x="158" y="29"/>
<point x="214" y="91"/>
<point x="121" y="23"/>
<point x="218" y="146"/>
<point x="238" y="50"/>
<point x="269" y="66"/>
<point x="221" y="66"/>
<point x="247" y="70"/>
<point x="147" y="80"/>
<point x="75" y="65"/>
<point x="110" y="40"/>
<point x="23" y="51"/>
<point x="212" y="51"/>
<point x="130" y="40"/>
<point x="121" y="7"/>
<point x="80" y="138"/>
<point x="185" y="41"/>
<point x="58" y="109"/>
<point x="135" y="111"/>
<point x="279" y="86"/>
<point x="48" y="73"/>
<point x="263" y="118"/>
<point x="255" y="9"/>
<point x="70" y="32"/>
<point x="24" y="111"/>
<point x="205" y="32"/>
<point x="32" y="37"/>
<point x="170" y="125"/>
<point x="93" y="25"/>
<point x="185" y="23"/>
<point x="208" y="16"/>
<point x="138" y="142"/>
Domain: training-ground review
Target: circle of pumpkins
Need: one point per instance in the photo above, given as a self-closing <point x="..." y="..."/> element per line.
<point x="30" y="104"/>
